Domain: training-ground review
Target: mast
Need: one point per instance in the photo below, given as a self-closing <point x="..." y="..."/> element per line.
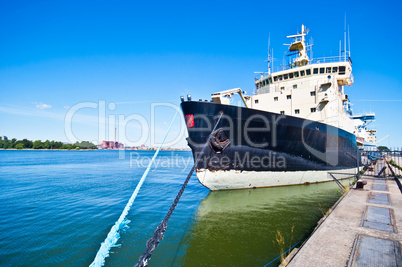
<point x="344" y="36"/>
<point x="300" y="46"/>
<point x="349" y="41"/>
<point x="269" y="54"/>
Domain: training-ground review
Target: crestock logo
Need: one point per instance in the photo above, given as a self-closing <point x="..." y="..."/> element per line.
<point x="108" y="125"/>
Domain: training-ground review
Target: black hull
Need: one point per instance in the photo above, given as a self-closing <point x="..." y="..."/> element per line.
<point x="254" y="140"/>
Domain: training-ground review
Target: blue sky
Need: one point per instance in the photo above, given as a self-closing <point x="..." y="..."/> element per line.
<point x="55" y="55"/>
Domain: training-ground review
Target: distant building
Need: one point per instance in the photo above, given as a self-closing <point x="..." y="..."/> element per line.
<point x="4" y="137"/>
<point x="111" y="145"/>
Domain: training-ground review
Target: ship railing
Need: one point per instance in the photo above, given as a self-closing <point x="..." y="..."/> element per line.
<point x="333" y="59"/>
<point x="330" y="59"/>
<point x="382" y="162"/>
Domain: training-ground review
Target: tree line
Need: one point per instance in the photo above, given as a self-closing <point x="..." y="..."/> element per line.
<point x="38" y="144"/>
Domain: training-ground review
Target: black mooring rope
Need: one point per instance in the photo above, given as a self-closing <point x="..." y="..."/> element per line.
<point x="153" y="242"/>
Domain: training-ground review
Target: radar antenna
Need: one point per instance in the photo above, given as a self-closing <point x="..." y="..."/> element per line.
<point x="269" y="54"/>
<point x="299" y="46"/>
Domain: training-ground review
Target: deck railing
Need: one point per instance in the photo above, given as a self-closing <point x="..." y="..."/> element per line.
<point x="334" y="59"/>
<point x="330" y="59"/>
<point x="385" y="163"/>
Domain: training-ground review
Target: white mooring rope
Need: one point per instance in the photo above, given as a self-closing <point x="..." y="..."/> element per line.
<point x="122" y="222"/>
<point x="153" y="242"/>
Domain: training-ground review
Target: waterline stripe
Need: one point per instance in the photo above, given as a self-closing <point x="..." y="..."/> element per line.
<point x="122" y="222"/>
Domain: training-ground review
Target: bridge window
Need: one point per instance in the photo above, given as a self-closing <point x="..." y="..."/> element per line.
<point x="296" y="74"/>
<point x="322" y="70"/>
<point x="334" y="69"/>
<point x="280" y="77"/>
<point x="302" y="73"/>
<point x="342" y="70"/>
<point x="275" y="78"/>
<point x="270" y="79"/>
<point x="308" y="71"/>
<point x="285" y="76"/>
<point x="328" y="70"/>
<point x="291" y="75"/>
<point x="315" y="71"/>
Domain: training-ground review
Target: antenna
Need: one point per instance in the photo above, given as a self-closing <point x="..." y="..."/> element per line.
<point x="284" y="62"/>
<point x="344" y="36"/>
<point x="269" y="54"/>
<point x="311" y="43"/>
<point x="349" y="41"/>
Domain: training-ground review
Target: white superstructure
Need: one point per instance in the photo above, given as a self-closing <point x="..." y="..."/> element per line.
<point x="311" y="89"/>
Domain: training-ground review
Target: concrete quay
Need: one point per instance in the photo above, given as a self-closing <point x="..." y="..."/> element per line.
<point x="364" y="229"/>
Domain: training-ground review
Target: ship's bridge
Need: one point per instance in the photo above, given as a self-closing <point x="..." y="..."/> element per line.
<point x="304" y="68"/>
<point x="340" y="70"/>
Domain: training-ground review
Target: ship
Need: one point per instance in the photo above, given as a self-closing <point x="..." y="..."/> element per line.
<point x="296" y="128"/>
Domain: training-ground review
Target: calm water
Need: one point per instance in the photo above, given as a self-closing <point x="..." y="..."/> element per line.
<point x="56" y="207"/>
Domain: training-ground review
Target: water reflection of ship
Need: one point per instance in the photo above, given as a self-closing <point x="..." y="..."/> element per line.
<point x="239" y="227"/>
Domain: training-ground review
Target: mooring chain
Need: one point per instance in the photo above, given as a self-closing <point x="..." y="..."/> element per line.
<point x="122" y="222"/>
<point x="153" y="242"/>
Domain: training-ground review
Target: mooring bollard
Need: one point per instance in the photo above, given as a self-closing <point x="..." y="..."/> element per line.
<point x="360" y="184"/>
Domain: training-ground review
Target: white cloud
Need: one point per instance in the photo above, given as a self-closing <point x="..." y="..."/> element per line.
<point x="43" y="106"/>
